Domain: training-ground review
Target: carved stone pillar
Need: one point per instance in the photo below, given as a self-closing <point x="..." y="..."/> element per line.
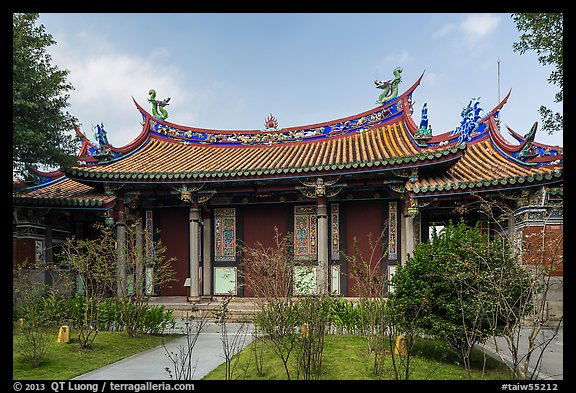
<point x="323" y="273"/>
<point x="207" y="256"/>
<point x="194" y="218"/>
<point x="121" y="280"/>
<point x="139" y="268"/>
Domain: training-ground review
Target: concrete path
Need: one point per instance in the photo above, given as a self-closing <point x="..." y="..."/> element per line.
<point x="552" y="364"/>
<point x="207" y="354"/>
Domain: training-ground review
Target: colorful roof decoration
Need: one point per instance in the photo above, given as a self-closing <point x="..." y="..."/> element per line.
<point x="385" y="139"/>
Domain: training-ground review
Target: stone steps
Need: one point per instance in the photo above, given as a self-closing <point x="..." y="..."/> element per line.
<point x="239" y="309"/>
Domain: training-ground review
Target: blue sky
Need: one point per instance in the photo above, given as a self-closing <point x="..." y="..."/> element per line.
<point x="231" y="71"/>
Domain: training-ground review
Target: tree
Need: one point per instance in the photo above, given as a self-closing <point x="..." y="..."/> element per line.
<point x="450" y="284"/>
<point x="93" y="262"/>
<point x="40" y="96"/>
<point x="543" y="33"/>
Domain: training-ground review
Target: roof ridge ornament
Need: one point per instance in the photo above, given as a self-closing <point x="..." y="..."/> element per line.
<point x="158" y="110"/>
<point x="390" y="87"/>
<point x="424" y="132"/>
<point x="468" y="127"/>
<point x="271" y="123"/>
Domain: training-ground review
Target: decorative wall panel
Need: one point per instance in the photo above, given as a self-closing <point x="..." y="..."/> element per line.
<point x="225" y="281"/>
<point x="225" y="234"/>
<point x="335" y="231"/>
<point x="305" y="233"/>
<point x="392" y="231"/>
<point x="305" y="280"/>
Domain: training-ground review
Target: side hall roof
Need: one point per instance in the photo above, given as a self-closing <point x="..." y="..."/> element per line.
<point x="473" y="157"/>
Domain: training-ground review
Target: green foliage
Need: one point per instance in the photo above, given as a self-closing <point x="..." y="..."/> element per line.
<point x="345" y="316"/>
<point x="544" y="34"/>
<point x="40" y="96"/>
<point x="64" y="361"/>
<point x="345" y="358"/>
<point x="454" y="287"/>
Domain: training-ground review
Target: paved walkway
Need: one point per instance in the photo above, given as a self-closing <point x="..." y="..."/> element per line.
<point x="552" y="364"/>
<point x="207" y="354"/>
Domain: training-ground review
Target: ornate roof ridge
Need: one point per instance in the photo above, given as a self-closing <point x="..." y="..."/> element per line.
<point x="391" y="110"/>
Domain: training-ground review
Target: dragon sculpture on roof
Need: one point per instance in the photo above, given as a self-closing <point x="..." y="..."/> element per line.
<point x="158" y="110"/>
<point x="390" y="87"/>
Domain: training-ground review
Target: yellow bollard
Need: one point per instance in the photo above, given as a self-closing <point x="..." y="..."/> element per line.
<point x="305" y="330"/>
<point x="64" y="334"/>
<point x="400" y="346"/>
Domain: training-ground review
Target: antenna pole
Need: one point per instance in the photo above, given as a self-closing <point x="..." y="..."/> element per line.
<point x="498" y="91"/>
<point x="498" y="80"/>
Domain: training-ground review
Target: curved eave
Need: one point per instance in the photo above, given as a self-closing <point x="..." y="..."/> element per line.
<point x="504" y="184"/>
<point x="521" y="139"/>
<point x="471" y="174"/>
<point x="65" y="193"/>
<point x="161" y="161"/>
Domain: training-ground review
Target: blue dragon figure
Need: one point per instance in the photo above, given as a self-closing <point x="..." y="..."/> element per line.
<point x="470" y="115"/>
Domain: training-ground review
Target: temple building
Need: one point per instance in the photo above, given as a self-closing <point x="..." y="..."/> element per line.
<point x="333" y="185"/>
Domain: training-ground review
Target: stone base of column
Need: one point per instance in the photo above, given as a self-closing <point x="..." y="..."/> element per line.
<point x="206" y="298"/>
<point x="194" y="299"/>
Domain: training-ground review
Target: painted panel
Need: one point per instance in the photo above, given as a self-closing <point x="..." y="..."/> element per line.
<point x="390" y="274"/>
<point x="225" y="281"/>
<point x="335" y="276"/>
<point x="225" y="234"/>
<point x="335" y="232"/>
<point x="40" y="256"/>
<point x="149" y="281"/>
<point x="392" y="231"/>
<point x="149" y="230"/>
<point x="305" y="233"/>
<point x="305" y="280"/>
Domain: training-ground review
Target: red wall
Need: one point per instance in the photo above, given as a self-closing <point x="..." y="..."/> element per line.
<point x="362" y="218"/>
<point x="259" y="223"/>
<point x="23" y="249"/>
<point x="174" y="235"/>
<point x="553" y="252"/>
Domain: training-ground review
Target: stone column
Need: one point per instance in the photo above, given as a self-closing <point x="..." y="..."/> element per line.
<point x="48" y="254"/>
<point x="323" y="274"/>
<point x="409" y="235"/>
<point x="139" y="274"/>
<point x="194" y="218"/>
<point x="207" y="255"/>
<point x="121" y="287"/>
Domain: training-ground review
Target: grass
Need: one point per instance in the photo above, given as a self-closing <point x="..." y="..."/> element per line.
<point x="65" y="361"/>
<point x="346" y="357"/>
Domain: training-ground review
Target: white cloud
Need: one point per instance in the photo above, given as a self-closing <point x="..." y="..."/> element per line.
<point x="397" y="58"/>
<point x="478" y="26"/>
<point x="446" y="29"/>
<point x="105" y="84"/>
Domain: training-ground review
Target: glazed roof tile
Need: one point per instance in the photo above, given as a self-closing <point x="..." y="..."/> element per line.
<point x="483" y="168"/>
<point x="378" y="140"/>
<point x="160" y="159"/>
<point x="63" y="191"/>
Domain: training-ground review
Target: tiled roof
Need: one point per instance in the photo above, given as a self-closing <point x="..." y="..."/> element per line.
<point x="473" y="157"/>
<point x="63" y="192"/>
<point x="159" y="159"/>
<point x="483" y="168"/>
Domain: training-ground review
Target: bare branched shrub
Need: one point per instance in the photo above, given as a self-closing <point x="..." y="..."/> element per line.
<point x="182" y="364"/>
<point x="370" y="282"/>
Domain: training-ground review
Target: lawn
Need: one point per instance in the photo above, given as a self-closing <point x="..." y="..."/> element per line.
<point x="346" y="357"/>
<point x="65" y="361"/>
